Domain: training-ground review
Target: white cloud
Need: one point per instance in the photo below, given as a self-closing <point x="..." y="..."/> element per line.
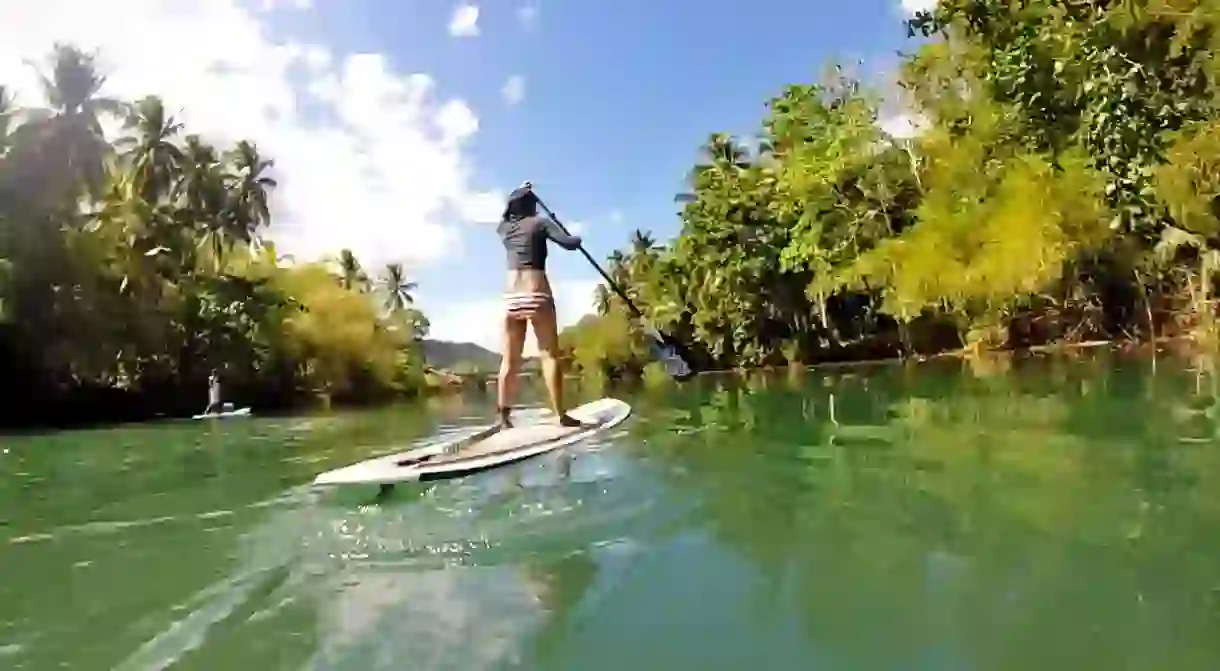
<point x="483" y="208"/>
<point x="272" y="5"/>
<point x="366" y="157"/>
<point x="912" y="7"/>
<point x="528" y="15"/>
<point x="513" y="90"/>
<point x="465" y="21"/>
<point x="318" y="58"/>
<point x="482" y="321"/>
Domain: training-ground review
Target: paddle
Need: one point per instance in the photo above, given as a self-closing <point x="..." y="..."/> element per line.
<point x="666" y="349"/>
<point x="430" y="453"/>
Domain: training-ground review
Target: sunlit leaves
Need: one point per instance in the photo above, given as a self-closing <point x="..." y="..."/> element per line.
<point x="982" y="252"/>
<point x="1189" y="181"/>
<point x="337" y="335"/>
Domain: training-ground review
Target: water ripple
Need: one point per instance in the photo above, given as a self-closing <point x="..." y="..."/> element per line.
<point x="310" y="548"/>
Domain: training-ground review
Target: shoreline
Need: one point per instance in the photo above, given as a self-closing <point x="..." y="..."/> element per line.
<point x="465" y="385"/>
<point x="1122" y="345"/>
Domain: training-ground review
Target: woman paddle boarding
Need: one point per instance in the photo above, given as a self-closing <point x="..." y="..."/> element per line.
<point x="529" y="300"/>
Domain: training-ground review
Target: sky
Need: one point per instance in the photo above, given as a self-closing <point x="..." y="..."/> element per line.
<point x="397" y="126"/>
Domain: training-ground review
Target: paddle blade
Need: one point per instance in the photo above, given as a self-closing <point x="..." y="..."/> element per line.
<point x="671" y="359"/>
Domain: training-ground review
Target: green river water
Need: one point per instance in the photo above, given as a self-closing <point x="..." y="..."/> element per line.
<point x="1049" y="513"/>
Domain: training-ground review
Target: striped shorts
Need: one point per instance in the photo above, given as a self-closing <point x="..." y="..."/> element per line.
<point x="525" y="304"/>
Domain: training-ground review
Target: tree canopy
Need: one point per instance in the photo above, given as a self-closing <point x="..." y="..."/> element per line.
<point x="131" y="269"/>
<point x="1062" y="187"/>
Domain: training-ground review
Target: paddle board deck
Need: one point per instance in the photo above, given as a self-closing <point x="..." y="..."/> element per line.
<point x="486" y="448"/>
<point x="240" y="412"/>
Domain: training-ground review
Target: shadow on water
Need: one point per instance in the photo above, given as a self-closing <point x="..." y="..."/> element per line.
<point x="995" y="514"/>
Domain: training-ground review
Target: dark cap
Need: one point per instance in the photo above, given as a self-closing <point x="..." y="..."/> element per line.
<point x="521" y="202"/>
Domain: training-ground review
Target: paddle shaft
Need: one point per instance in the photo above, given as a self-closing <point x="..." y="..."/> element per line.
<point x="596" y="266"/>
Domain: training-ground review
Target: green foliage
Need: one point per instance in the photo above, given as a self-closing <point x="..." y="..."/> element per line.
<point x="132" y="270"/>
<point x="1188" y="183"/>
<point x="984" y="246"/>
<point x="1064" y="186"/>
<point x="654" y="376"/>
<point x="602" y="345"/>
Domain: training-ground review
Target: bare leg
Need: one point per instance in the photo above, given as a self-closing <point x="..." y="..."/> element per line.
<point x="546" y="332"/>
<point x="510" y="367"/>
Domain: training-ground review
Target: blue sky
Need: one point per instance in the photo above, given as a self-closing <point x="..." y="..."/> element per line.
<point x="392" y="132"/>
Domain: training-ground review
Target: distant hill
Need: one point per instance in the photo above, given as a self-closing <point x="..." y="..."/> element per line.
<point x="445" y="354"/>
<point x="467" y="357"/>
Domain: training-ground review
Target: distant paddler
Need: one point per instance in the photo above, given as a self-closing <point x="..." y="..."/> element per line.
<point x="214" y="404"/>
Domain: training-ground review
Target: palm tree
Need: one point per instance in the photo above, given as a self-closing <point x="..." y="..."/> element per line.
<point x="72" y="87"/>
<point x="151" y="151"/>
<point x="721" y="154"/>
<point x="601" y="300"/>
<point x="201" y="186"/>
<point x="642" y="242"/>
<point x="398" y="289"/>
<point x="201" y="192"/>
<point x="64" y="147"/>
<point x="251" y="207"/>
<point x="351" y="275"/>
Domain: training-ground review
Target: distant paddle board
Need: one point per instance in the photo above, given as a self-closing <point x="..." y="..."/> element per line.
<point x="487" y="448"/>
<point x="240" y="412"/>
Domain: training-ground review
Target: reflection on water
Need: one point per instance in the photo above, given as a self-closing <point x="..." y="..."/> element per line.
<point x="999" y="514"/>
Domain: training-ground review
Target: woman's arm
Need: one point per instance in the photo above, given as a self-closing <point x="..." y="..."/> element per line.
<point x="554" y="232"/>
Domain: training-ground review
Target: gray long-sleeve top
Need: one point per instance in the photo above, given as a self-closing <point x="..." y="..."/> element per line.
<point x="525" y="241"/>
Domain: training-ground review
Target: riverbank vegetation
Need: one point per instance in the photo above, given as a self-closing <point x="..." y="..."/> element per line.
<point x="133" y="266"/>
<point x="1061" y="187"/>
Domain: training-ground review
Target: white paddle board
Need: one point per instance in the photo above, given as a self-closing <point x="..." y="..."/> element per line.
<point x="486" y="448"/>
<point x="240" y="412"/>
